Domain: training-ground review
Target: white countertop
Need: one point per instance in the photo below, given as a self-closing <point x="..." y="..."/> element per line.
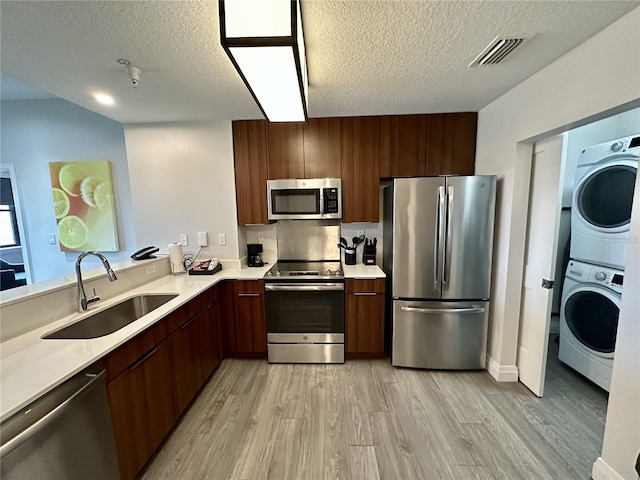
<point x="362" y="271"/>
<point x="31" y="366"/>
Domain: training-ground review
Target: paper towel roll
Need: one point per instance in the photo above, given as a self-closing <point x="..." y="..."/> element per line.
<point x="175" y="258"/>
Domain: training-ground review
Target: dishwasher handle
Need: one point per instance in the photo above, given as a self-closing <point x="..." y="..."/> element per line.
<point x="29" y="432"/>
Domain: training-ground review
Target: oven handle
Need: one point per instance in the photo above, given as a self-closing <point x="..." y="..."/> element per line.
<point x="303" y="287"/>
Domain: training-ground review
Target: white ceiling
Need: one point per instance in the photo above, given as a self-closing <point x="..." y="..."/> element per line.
<point x="365" y="57"/>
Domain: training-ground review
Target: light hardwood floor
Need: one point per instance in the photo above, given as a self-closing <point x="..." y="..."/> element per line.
<point x="368" y="420"/>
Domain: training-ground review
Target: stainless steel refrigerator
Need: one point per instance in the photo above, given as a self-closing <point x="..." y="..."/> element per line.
<point x="438" y="241"/>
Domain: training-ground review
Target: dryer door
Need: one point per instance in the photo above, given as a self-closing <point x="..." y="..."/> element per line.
<point x="604" y="197"/>
<point x="592" y="314"/>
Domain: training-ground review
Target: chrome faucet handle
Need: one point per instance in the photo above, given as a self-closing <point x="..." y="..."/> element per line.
<point x="93" y="299"/>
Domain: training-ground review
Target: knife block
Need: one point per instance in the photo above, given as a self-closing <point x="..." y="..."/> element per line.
<point x="369" y="254"/>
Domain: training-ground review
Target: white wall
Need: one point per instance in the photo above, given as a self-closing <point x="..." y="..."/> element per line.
<point x="572" y="91"/>
<point x="36" y="132"/>
<point x="182" y="181"/>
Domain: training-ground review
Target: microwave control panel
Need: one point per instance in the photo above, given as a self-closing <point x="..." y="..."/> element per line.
<point x="330" y="200"/>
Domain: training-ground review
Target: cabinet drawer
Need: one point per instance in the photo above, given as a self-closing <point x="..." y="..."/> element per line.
<point x="184" y="313"/>
<point x="248" y="286"/>
<point x="131" y="351"/>
<point x="369" y="285"/>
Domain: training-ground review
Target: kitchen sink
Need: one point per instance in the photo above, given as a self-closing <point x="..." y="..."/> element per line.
<point x="113" y="318"/>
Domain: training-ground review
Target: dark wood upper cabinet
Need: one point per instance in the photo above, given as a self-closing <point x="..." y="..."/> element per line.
<point x="285" y="151"/>
<point x="250" y="163"/>
<point x="451" y="143"/>
<point x="403" y="140"/>
<point x="322" y="148"/>
<point x="360" y="169"/>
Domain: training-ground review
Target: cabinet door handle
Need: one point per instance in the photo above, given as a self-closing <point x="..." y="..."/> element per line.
<point x="248" y="294"/>
<point x="143" y="359"/>
<point x="188" y="322"/>
<point x="363" y="294"/>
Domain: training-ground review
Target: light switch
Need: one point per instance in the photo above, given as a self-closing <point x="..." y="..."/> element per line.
<point x="52" y="238"/>
<point x="184" y="240"/>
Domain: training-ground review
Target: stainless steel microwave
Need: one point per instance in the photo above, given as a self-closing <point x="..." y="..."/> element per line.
<point x="304" y="199"/>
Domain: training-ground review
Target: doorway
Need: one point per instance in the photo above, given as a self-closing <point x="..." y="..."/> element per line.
<point x="14" y="258"/>
<point x="545" y="319"/>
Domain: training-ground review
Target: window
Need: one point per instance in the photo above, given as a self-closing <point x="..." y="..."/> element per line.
<point x="9" y="236"/>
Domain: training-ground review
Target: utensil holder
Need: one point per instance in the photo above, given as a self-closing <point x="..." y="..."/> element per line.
<point x="349" y="256"/>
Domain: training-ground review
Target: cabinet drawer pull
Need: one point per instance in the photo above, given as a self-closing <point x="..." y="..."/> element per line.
<point x="143" y="359"/>
<point x="187" y="323"/>
<point x="248" y="294"/>
<point x="362" y="294"/>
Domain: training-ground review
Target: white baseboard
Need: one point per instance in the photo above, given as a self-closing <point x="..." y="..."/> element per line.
<point x="502" y="373"/>
<point x="602" y="471"/>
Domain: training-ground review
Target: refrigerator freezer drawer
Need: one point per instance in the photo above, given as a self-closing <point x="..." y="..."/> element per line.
<point x="439" y="335"/>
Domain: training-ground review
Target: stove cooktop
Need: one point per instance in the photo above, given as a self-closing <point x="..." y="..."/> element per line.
<point x="301" y="271"/>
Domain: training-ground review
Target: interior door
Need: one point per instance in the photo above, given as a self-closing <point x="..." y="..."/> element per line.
<point x="543" y="225"/>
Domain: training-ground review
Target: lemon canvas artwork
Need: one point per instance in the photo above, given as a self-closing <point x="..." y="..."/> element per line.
<point x="83" y="203"/>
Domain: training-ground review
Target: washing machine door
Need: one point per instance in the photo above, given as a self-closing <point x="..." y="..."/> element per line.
<point x="604" y="196"/>
<point x="591" y="313"/>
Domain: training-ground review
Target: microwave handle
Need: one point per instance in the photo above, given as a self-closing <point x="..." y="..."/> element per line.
<point x="322" y="205"/>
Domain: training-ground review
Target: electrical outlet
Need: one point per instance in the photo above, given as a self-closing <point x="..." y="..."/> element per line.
<point x="260" y="236"/>
<point x="359" y="233"/>
<point x="52" y="238"/>
<point x="202" y="239"/>
<point x="184" y="239"/>
<point x="222" y="239"/>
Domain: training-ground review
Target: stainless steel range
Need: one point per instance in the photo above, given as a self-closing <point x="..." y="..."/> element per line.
<point x="305" y="298"/>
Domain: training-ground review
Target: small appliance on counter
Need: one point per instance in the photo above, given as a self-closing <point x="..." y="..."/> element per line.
<point x="369" y="251"/>
<point x="254" y="252"/>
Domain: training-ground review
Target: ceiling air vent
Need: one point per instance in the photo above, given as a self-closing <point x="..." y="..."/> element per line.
<point x="497" y="51"/>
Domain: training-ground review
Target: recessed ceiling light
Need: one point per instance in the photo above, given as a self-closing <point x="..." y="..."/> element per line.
<point x="104" y="99"/>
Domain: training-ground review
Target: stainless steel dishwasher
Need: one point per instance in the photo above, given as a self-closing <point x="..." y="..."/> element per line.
<point x="66" y="434"/>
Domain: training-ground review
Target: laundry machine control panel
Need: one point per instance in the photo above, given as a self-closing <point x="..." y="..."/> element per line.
<point x="605" y="276"/>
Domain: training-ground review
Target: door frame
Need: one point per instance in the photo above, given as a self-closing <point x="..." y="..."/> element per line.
<point x="7" y="170"/>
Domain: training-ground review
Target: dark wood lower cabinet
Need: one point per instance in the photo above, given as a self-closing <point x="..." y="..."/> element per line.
<point x="188" y="349"/>
<point x="364" y="318"/>
<point x="250" y="322"/>
<point x="154" y="377"/>
<point x="142" y="407"/>
<point x="149" y="391"/>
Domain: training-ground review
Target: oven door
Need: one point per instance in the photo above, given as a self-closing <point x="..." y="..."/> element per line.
<point x="305" y="322"/>
<point x="305" y="307"/>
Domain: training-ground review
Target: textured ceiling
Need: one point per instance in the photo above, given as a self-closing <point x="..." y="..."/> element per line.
<point x="364" y="57"/>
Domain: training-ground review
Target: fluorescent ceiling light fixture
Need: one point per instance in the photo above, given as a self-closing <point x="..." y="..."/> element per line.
<point x="265" y="43"/>
<point x="104" y="99"/>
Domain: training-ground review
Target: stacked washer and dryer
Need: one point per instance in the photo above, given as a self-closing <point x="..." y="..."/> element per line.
<point x="600" y="217"/>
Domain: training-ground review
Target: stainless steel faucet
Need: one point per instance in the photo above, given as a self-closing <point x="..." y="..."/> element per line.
<point x="83" y="301"/>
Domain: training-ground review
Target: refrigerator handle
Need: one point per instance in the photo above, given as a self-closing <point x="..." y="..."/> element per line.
<point x="439" y="237"/>
<point x="472" y="309"/>
<point x="446" y="263"/>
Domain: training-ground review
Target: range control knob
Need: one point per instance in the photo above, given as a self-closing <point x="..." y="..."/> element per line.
<point x="616" y="147"/>
<point x="278" y="273"/>
<point x="338" y="272"/>
<point x="601" y="276"/>
<point x="269" y="273"/>
<point x="328" y="272"/>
